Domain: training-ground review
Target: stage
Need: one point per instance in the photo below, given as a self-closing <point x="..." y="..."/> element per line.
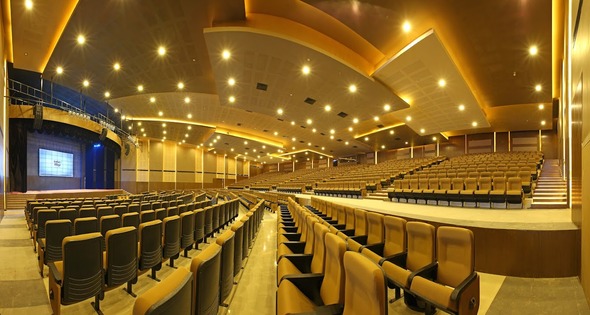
<point x="512" y="242"/>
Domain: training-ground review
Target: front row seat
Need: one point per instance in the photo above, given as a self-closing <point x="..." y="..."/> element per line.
<point x="171" y="296"/>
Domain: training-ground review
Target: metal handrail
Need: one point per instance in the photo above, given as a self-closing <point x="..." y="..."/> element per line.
<point x="23" y="94"/>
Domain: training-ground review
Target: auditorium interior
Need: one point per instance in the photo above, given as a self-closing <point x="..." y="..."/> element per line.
<point x="294" y="157"/>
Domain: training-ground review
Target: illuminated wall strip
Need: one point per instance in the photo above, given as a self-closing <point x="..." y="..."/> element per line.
<point x="378" y="130"/>
<point x="568" y="86"/>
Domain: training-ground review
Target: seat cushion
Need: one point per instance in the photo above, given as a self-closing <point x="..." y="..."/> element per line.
<point x="395" y="273"/>
<point x="290" y="300"/>
<point x="434" y="292"/>
<point x="283" y="250"/>
<point x="286" y="267"/>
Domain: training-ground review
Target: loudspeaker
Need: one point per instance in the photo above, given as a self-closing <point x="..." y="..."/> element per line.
<point x="38" y="114"/>
<point x="127" y="149"/>
<point x="103" y="134"/>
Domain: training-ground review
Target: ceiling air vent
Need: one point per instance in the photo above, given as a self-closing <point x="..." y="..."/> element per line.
<point x="310" y="101"/>
<point x="279" y="119"/>
<point x="339" y="140"/>
<point x="239" y="124"/>
<point x="323" y="134"/>
<point x="301" y="141"/>
<point x="397" y="139"/>
<point x="261" y="86"/>
<point x="342" y="114"/>
<point x="380" y="126"/>
<point x="354" y="146"/>
<point x="303" y="127"/>
<point x="265" y="130"/>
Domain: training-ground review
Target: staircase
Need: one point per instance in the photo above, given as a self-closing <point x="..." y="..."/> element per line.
<point x="551" y="190"/>
<point x="378" y="195"/>
<point x="17" y="201"/>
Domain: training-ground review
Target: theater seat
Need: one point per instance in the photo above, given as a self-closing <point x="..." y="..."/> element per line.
<point x="316" y="292"/>
<point x="364" y="291"/>
<point x="85" y="225"/>
<point x="226" y="241"/>
<point x="514" y="193"/>
<point x="80" y="275"/>
<point x="150" y="247"/>
<point x="206" y="269"/>
<point x="455" y="285"/>
<point x="172" y="296"/>
<point x="49" y="248"/>
<point x="199" y="226"/>
<point x="238" y="229"/>
<point x="187" y="231"/>
<point x="395" y="240"/>
<point x="374" y="236"/>
<point x="120" y="258"/>
<point x="171" y="239"/>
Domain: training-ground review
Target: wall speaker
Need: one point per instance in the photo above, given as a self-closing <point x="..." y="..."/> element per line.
<point x="103" y="134"/>
<point x="38" y="114"/>
<point x="127" y="149"/>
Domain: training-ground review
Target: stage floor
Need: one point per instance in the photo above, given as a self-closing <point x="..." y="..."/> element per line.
<point x="512" y="219"/>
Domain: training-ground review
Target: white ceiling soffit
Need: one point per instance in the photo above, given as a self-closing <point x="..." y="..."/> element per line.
<point x="415" y="73"/>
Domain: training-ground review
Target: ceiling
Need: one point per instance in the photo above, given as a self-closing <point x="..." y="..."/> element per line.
<point x="480" y="49"/>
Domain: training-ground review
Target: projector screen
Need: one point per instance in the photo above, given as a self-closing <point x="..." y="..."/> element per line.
<point x="55" y="163"/>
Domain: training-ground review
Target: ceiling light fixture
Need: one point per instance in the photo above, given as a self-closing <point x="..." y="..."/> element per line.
<point x="376" y="118"/>
<point x="225" y="54"/>
<point x="189" y="127"/>
<point x="541" y="106"/>
<point x="86" y="83"/>
<point x="355" y="120"/>
<point x="391" y="132"/>
<point x="107" y="94"/>
<point x="292" y="123"/>
<point x="350" y="129"/>
<point x="542" y="123"/>
<point x="309" y="121"/>
<point x="366" y="138"/>
<point x="280" y="111"/>
<point x="189" y="116"/>
<point x="422" y="130"/>
<point x="187" y="100"/>
<point x="164" y="125"/>
<point x="305" y="70"/>
<point x="474" y="124"/>
<point x="533" y="50"/>
<point x="442" y="82"/>
<point x="352" y="88"/>
<point x="406" y="26"/>
<point x="160" y="113"/>
<point x="313" y="130"/>
<point x="140" y="88"/>
<point x="538" y="88"/>
<point x="81" y="39"/>
<point x="461" y="107"/>
<point x="231" y="81"/>
<point x="328" y="108"/>
<point x="386" y="107"/>
<point x="408" y="118"/>
<point x="28" y="4"/>
<point x="152" y="99"/>
<point x="180" y="85"/>
<point x="232" y="99"/>
<point x="382" y="146"/>
<point x="59" y="70"/>
<point x="161" y="50"/>
<point x="117" y="66"/>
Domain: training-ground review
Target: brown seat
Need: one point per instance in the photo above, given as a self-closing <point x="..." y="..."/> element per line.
<point x="109" y="222"/>
<point x="187" y="231"/>
<point x="467" y="195"/>
<point x="208" y="222"/>
<point x="161" y="214"/>
<point x="130" y="219"/>
<point x="238" y="229"/>
<point x="305" y="293"/>
<point x="120" y="210"/>
<point x="514" y="193"/>
<point x="150" y="247"/>
<point x="171" y="238"/>
<point x="147" y="216"/>
<point x="49" y="248"/>
<point x="87" y="212"/>
<point x="206" y="270"/>
<point x="455" y="287"/>
<point x="86" y="225"/>
<point x="199" y="226"/>
<point x="103" y="211"/>
<point x="395" y="240"/>
<point x="373" y="237"/>
<point x="120" y="258"/>
<point x="498" y="192"/>
<point x="39" y="228"/>
<point x="80" y="275"/>
<point x="227" y="242"/>
<point x="172" y="296"/>
<point x="364" y="291"/>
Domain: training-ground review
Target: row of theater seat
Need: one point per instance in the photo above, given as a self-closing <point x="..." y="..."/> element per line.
<point x="432" y="276"/>
<point x="473" y="192"/>
<point x="85" y="271"/>
<point x="341" y="189"/>
<point x="193" y="227"/>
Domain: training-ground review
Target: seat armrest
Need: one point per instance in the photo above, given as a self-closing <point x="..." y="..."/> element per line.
<point x="339" y="226"/>
<point x="349" y="232"/>
<point x="54" y="272"/>
<point x="397" y="259"/>
<point x="331" y="222"/>
<point x="361" y="239"/>
<point x="462" y="286"/>
<point x="428" y="272"/>
<point x="376" y="248"/>
<point x="301" y="261"/>
<point x="296" y="247"/>
<point x="287" y="224"/>
<point x="309" y="284"/>
<point x="290" y="229"/>
<point x="330" y="309"/>
<point x="293" y="237"/>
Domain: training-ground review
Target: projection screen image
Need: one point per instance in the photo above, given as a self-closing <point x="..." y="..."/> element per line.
<point x="55" y="163"/>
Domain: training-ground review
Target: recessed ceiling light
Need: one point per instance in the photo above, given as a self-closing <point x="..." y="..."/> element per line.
<point x="474" y="124"/>
<point x="327" y="108"/>
<point x="129" y="127"/>
<point x="276" y="133"/>
<point x="309" y="121"/>
<point x="332" y="131"/>
<point x="422" y="130"/>
<point x="187" y="100"/>
<point x="245" y="142"/>
<point x="366" y="138"/>
<point x="406" y="142"/>
<point x="144" y="134"/>
<point x="180" y="85"/>
<point x="542" y="123"/>
<point x="433" y="138"/>
<point x="140" y="88"/>
<point x="81" y="39"/>
<point x="28" y="4"/>
<point x="293" y="148"/>
<point x="189" y="116"/>
<point x="309" y="144"/>
<point x="142" y="129"/>
<point x="161" y="50"/>
<point x="86" y="83"/>
<point x="386" y="107"/>
<point x="313" y="130"/>
<point x="164" y="132"/>
<point x="139" y="123"/>
<point x="280" y="111"/>
<point x="263" y="146"/>
<point x="232" y="99"/>
<point x="164" y="125"/>
<point x="352" y="88"/>
<point x="225" y="54"/>
<point x="116" y="110"/>
<point x="391" y="132"/>
<point x="305" y="70"/>
<point x="218" y="137"/>
<point x="406" y="26"/>
<point x="231" y="81"/>
<point x="293" y="139"/>
<point x="232" y="149"/>
<point x="59" y="70"/>
<point x="331" y="137"/>
<point x="355" y="121"/>
<point x="160" y="113"/>
<point x="346" y="142"/>
<point x="461" y="107"/>
<point x="350" y="129"/>
<point x="189" y="127"/>
<point x="533" y="50"/>
<point x="538" y="87"/>
<point x="541" y="106"/>
<point x="292" y="123"/>
<point x="323" y="148"/>
<point x="376" y="118"/>
<point x="152" y="99"/>
<point x="382" y="146"/>
<point x="107" y="94"/>
<point x="442" y="82"/>
<point x="123" y="117"/>
<point x="186" y="135"/>
<point x="117" y="66"/>
<point x="408" y="118"/>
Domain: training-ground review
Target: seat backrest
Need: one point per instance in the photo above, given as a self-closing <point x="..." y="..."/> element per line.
<point x="514" y="183"/>
<point x="82" y="267"/>
<point x="172" y="211"/>
<point x="332" y="288"/>
<point x="120" y="210"/>
<point x="455" y="255"/>
<point x="433" y="183"/>
<point x="445" y="183"/>
<point x="109" y="222"/>
<point x="42" y="217"/>
<point x="310" y="222"/>
<point x="360" y="222"/>
<point x="349" y="217"/>
<point x="161" y="213"/>
<point x="187" y="228"/>
<point x="171" y="242"/>
<point x="121" y="255"/>
<point x="499" y="183"/>
<point x="69" y="214"/>
<point x="457" y="183"/>
<point x="131" y="219"/>
<point x="414" y="183"/>
<point x="134" y="207"/>
<point x="85" y="225"/>
<point x="56" y="231"/>
<point x="171" y="296"/>
<point x="319" y="248"/>
<point x="150" y="244"/>
<point x="471" y="183"/>
<point x="395" y="235"/>
<point x="147" y="216"/>
<point x="227" y="242"/>
<point x="420" y="245"/>
<point x="206" y="269"/>
<point x="375" y="229"/>
<point x="485" y="183"/>
<point x="105" y="210"/>
<point x="365" y="288"/>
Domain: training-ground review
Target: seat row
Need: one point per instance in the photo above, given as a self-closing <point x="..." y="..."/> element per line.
<point x="434" y="268"/>
<point x="85" y="271"/>
<point x="497" y="192"/>
<point x="341" y="189"/>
